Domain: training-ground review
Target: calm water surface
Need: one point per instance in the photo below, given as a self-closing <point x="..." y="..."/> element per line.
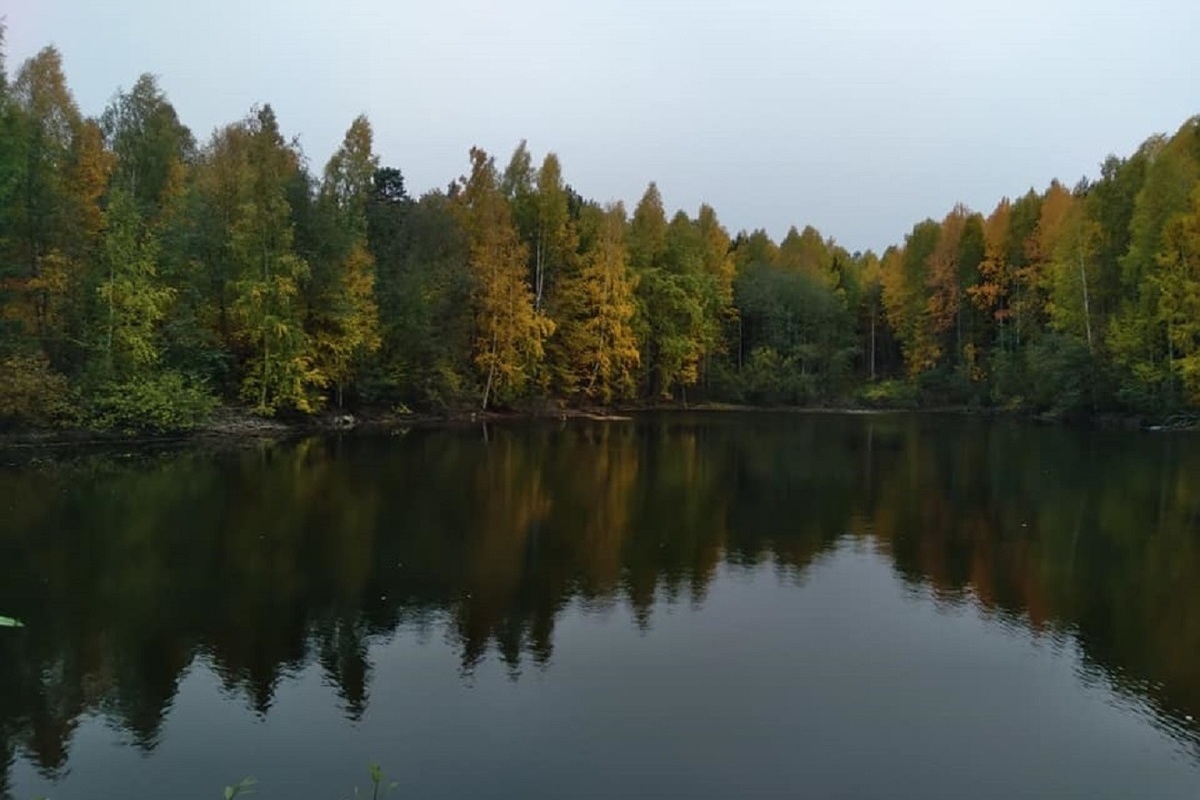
<point x="797" y="606"/>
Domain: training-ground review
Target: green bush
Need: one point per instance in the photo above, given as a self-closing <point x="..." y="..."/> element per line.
<point x="772" y="379"/>
<point x="1060" y="376"/>
<point x="947" y="386"/>
<point x="161" y="404"/>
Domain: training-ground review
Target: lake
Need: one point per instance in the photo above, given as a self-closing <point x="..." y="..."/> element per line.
<point x="688" y="605"/>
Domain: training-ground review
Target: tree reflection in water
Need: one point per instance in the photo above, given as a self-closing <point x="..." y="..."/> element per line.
<point x="263" y="561"/>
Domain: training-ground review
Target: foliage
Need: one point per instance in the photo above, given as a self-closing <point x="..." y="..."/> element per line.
<point x="240" y="789"/>
<point x="509" y="330"/>
<point x="595" y="349"/>
<point x="160" y="403"/>
<point x="1060" y="376"/>
<point x="791" y="321"/>
<point x="34" y="393"/>
<point x="889" y="394"/>
<point x="131" y="256"/>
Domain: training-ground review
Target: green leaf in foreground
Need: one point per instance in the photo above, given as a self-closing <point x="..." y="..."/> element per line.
<point x="240" y="789"/>
<point x="11" y="622"/>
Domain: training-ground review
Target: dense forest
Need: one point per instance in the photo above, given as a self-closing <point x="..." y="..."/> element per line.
<point x="146" y="277"/>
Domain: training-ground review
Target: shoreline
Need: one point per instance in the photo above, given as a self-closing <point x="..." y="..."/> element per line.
<point x="232" y="425"/>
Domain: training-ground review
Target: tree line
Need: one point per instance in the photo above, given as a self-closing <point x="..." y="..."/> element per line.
<point x="146" y="277"/>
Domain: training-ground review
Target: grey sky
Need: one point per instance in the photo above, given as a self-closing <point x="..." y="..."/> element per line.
<point x="860" y="117"/>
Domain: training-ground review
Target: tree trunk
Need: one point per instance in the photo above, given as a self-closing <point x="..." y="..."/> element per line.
<point x="487" y="389"/>
<point x="596" y="366"/>
<point x="538" y="274"/>
<point x="958" y="348"/>
<point x="872" y="345"/>
<point x="112" y="314"/>
<point x="262" y="389"/>
<point x="741" y="346"/>
<point x="1087" y="313"/>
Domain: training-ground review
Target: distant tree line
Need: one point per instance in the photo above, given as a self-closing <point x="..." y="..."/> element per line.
<point x="146" y="277"/>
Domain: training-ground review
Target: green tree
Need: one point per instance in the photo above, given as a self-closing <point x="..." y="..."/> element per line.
<point x="1110" y="203"/>
<point x="424" y="289"/>
<point x="1138" y="336"/>
<point x="1074" y="276"/>
<point x="345" y="317"/>
<point x="798" y="333"/>
<point x="142" y="129"/>
<point x="1178" y="283"/>
<point x="280" y="370"/>
<point x="129" y="387"/>
<point x="11" y="162"/>
<point x="805" y="251"/>
<point x="647" y="235"/>
<point x="133" y="301"/>
<point x="54" y="222"/>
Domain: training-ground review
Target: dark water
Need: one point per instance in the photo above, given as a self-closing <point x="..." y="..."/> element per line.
<point x="725" y="606"/>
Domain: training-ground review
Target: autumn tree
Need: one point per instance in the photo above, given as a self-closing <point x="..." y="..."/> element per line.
<point x="991" y="294"/>
<point x="509" y="331"/>
<point x="905" y="282"/>
<point x="594" y="344"/>
<point x="719" y="271"/>
<point x="1053" y="215"/>
<point x="945" y="284"/>
<point x="1025" y="279"/>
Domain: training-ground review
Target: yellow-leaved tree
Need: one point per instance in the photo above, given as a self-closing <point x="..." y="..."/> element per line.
<point x="595" y="342"/>
<point x="509" y="331"/>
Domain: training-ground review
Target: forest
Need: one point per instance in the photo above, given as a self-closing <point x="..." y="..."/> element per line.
<point x="147" y="278"/>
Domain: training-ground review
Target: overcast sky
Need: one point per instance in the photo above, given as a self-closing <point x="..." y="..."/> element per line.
<point x="860" y="117"/>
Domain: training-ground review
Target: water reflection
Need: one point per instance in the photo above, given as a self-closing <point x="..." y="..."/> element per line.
<point x="265" y="561"/>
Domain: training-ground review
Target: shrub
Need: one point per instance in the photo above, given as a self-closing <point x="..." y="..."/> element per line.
<point x="1060" y="375"/>
<point x="889" y="394"/>
<point x="160" y="403"/>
